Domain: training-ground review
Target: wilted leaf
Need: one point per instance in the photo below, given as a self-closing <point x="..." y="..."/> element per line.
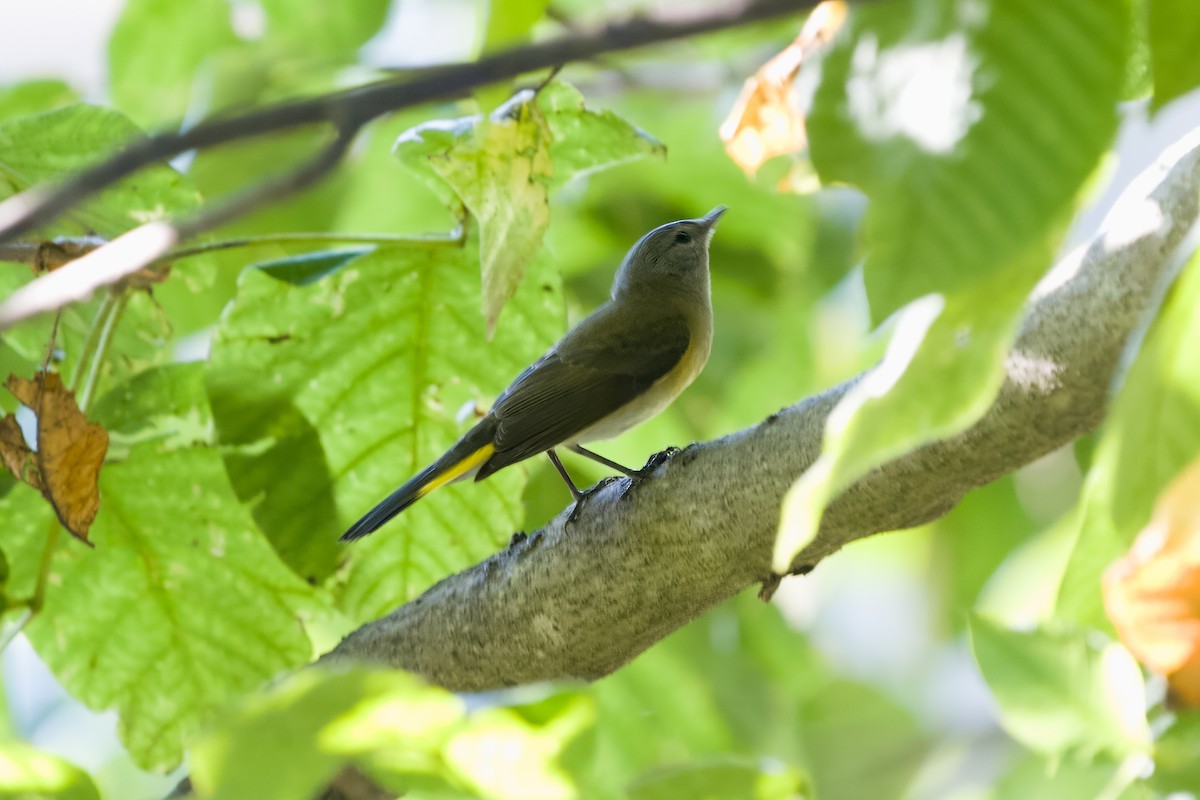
<point x="766" y="120"/>
<point x="70" y="450"/>
<point x="503" y="168"/>
<point x="1152" y="595"/>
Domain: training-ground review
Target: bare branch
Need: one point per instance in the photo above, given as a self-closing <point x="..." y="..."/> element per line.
<point x="143" y="246"/>
<point x="353" y="108"/>
<point x="579" y="600"/>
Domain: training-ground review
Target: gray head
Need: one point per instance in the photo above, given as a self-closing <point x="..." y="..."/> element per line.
<point x="671" y="256"/>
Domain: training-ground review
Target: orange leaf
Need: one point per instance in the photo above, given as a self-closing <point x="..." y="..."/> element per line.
<point x="1152" y="595"/>
<point x="765" y="121"/>
<point x="70" y="450"/>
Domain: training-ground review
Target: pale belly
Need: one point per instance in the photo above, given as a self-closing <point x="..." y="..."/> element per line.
<point x="652" y="401"/>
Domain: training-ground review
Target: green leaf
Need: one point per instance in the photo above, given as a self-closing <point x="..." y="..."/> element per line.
<point x="333" y="394"/>
<point x="1060" y="694"/>
<point x="958" y="345"/>
<point x="1035" y="778"/>
<point x="166" y="405"/>
<point x="1151" y="433"/>
<point x="29" y="774"/>
<point x="509" y="21"/>
<point x="1174" y="41"/>
<point x="412" y="738"/>
<point x="532" y="738"/>
<point x="34" y="97"/>
<point x="502" y="170"/>
<point x="720" y="778"/>
<point x="309" y="268"/>
<point x="1177" y="755"/>
<point x="291" y="740"/>
<point x="325" y="32"/>
<point x="28" y="521"/>
<point x="151" y="76"/>
<point x="1023" y="106"/>
<point x="46" y="147"/>
<point x="180" y="606"/>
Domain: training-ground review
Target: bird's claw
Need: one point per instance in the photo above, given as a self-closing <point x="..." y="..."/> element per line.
<point x="656" y="461"/>
<point x="585" y="494"/>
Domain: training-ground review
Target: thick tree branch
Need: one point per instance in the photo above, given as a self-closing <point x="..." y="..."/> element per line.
<point x="579" y="600"/>
<point x="351" y="109"/>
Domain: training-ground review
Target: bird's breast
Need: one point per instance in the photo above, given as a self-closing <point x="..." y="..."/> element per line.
<point x="654" y="399"/>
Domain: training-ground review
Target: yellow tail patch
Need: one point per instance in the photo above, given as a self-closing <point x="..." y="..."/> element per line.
<point x="458" y="470"/>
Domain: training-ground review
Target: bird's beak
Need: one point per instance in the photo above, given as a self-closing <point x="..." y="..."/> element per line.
<point x="710" y="219"/>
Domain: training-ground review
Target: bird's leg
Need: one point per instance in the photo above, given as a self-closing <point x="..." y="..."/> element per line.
<point x="632" y="473"/>
<point x="575" y="493"/>
<point x="656" y="460"/>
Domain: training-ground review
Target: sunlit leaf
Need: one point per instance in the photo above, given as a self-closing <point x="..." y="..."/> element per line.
<point x="325" y="31"/>
<point x="1153" y="594"/>
<point x="291" y="740"/>
<point x="503" y="169"/>
<point x="29" y="774"/>
<point x="1177" y="755"/>
<point x="1151" y="433"/>
<point x="957" y="344"/>
<point x="1174" y="32"/>
<point x="43" y="147"/>
<point x="165" y="405"/>
<point x="333" y="394"/>
<point x="970" y="125"/>
<point x="180" y="606"/>
<point x="34" y="97"/>
<point x="151" y="76"/>
<point x="719" y="778"/>
<point x="1058" y="693"/>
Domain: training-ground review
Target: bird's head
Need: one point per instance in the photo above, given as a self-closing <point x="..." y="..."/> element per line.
<point x="672" y="256"/>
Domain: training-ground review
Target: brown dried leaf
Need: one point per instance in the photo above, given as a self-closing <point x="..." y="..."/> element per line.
<point x="70" y="450"/>
<point x="765" y="121"/>
<point x="16" y="455"/>
<point x="54" y="254"/>
<point x="1152" y="595"/>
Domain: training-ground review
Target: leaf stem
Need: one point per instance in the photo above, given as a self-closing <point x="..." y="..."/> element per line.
<point x="95" y="348"/>
<point x="454" y="238"/>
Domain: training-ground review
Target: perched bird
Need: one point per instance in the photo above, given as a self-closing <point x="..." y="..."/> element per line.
<point x="618" y="367"/>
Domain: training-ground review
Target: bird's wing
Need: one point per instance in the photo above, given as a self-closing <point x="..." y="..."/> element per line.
<point x="588" y="376"/>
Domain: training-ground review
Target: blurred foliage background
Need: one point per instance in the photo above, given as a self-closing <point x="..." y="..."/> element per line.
<point x="261" y="398"/>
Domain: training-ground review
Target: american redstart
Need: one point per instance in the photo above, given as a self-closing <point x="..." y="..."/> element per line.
<point x="618" y="367"/>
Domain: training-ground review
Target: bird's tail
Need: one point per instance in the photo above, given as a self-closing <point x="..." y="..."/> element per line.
<point x="462" y="460"/>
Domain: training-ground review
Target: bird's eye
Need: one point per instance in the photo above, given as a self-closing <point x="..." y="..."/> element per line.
<point x="683" y="237"/>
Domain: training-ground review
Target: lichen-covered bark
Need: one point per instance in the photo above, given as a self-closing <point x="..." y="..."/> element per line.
<point x="578" y="600"/>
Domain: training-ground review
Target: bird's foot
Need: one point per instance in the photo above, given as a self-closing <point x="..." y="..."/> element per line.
<point x="585" y="494"/>
<point x="655" y="461"/>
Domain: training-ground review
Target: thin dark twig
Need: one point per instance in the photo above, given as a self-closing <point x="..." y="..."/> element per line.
<point x="272" y="189"/>
<point x="142" y="246"/>
<point x="354" y="107"/>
